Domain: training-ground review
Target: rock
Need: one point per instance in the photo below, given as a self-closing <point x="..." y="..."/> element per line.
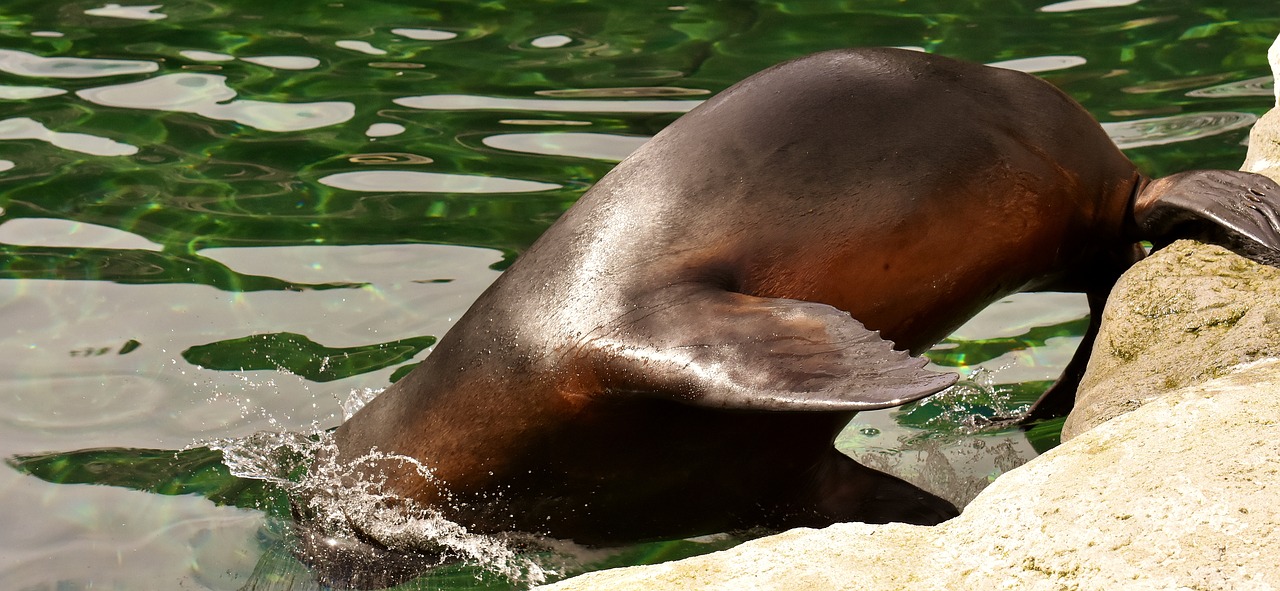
<point x="1188" y="313"/>
<point x="1181" y="493"/>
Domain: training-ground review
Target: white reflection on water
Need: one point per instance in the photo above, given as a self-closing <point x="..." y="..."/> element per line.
<point x="141" y="13"/>
<point x="360" y="46"/>
<point x="28" y="64"/>
<point x="601" y="146"/>
<point x="462" y="102"/>
<point x="205" y="56"/>
<point x="20" y="93"/>
<point x="629" y="92"/>
<point x="381" y="264"/>
<point x="425" y="34"/>
<point x="384" y="130"/>
<point x="284" y="62"/>
<point x="1045" y="63"/>
<point x="25" y="128"/>
<point x="66" y="342"/>
<point x="551" y="41"/>
<point x="1178" y="128"/>
<point x="102" y="537"/>
<point x="1264" y="86"/>
<point x="68" y="234"/>
<point x="405" y="181"/>
<point x="1071" y="5"/>
<point x="206" y="95"/>
<point x="64" y="385"/>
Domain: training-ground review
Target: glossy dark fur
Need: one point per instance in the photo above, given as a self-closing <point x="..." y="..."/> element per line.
<point x="676" y="354"/>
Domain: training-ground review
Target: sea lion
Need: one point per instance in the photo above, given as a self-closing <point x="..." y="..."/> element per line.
<point x="676" y="354"/>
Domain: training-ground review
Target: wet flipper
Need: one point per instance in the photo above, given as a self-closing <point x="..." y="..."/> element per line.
<point x="1237" y="210"/>
<point x="844" y="490"/>
<point x="727" y="350"/>
<point x="1060" y="398"/>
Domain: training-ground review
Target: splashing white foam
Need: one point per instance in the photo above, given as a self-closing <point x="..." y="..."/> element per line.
<point x="348" y="504"/>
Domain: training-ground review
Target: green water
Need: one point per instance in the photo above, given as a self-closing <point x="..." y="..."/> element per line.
<point x="254" y="209"/>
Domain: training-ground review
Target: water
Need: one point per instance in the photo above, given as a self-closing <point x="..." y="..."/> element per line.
<point x="219" y="219"/>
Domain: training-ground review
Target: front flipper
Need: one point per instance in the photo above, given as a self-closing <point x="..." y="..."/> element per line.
<point x="1060" y="398"/>
<point x="1238" y="210"/>
<point x="720" y="349"/>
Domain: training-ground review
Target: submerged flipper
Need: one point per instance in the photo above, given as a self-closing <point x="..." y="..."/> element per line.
<point x="1237" y="210"/>
<point x="727" y="350"/>
<point x="1060" y="398"/>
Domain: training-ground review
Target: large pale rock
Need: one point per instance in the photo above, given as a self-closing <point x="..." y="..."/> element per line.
<point x="1183" y="493"/>
<point x="1186" y="314"/>
<point x="1264" y="138"/>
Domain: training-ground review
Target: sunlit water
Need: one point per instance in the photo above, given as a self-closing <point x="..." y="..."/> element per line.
<point x="219" y="220"/>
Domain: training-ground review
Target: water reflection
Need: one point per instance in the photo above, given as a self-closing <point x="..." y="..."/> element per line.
<point x="463" y="102"/>
<point x="205" y="56"/>
<point x="1045" y="63"/>
<point x="68" y="340"/>
<point x="392" y="181"/>
<point x="601" y="146"/>
<point x="425" y="34"/>
<point x="384" y="130"/>
<point x="623" y="92"/>
<point x="284" y="62"/>
<point x="1178" y="128"/>
<point x="1262" y="86"/>
<point x="207" y="95"/>
<point x="60" y="233"/>
<point x="551" y="41"/>
<point x="29" y="64"/>
<point x="360" y="46"/>
<point x="279" y="62"/>
<point x="141" y="13"/>
<point x="21" y="93"/>
<point x="23" y="128"/>
<point x="1072" y="5"/>
<point x="1175" y="84"/>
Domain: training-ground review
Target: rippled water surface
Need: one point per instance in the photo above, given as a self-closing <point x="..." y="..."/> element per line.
<point x="225" y="218"/>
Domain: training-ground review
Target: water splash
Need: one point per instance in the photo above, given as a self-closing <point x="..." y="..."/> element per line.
<point x="957" y="443"/>
<point x="354" y="532"/>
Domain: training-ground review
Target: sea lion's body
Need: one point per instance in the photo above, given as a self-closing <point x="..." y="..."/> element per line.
<point x="673" y="356"/>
